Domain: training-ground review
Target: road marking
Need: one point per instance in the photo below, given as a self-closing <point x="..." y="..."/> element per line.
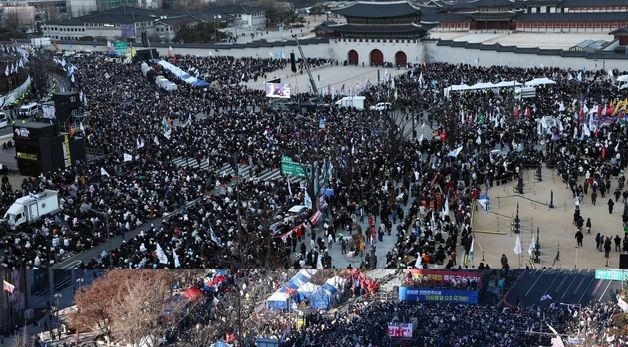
<point x="566" y="289"/>
<point x="533" y="284"/>
<point x="604" y="292"/>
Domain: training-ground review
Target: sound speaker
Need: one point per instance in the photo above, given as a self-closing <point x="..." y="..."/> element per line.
<point x="623" y="261"/>
<point x="145" y="40"/>
<point x="145" y="55"/>
<point x="293" y="63"/>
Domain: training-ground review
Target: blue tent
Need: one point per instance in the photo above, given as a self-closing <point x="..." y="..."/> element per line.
<point x="278" y="301"/>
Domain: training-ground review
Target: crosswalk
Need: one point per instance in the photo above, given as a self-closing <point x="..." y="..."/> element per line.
<point x="246" y="171"/>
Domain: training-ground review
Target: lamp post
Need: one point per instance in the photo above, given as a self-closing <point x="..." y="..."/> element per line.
<point x="537" y="247"/>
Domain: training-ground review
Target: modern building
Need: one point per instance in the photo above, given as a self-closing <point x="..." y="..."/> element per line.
<point x="379" y="32"/>
<point x="527" y="15"/>
<point x="122" y="23"/>
<point x="240" y="16"/>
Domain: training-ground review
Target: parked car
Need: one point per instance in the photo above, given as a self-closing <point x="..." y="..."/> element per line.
<point x="381" y="106"/>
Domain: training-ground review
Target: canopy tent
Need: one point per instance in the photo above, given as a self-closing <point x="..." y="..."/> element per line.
<point x="278" y="301"/>
<point x="622" y="78"/>
<point x="182" y="75"/>
<point x="337" y="282"/>
<point x="506" y="84"/>
<point x="298" y="280"/>
<point x="307" y="290"/>
<point x="220" y="343"/>
<point x="480" y="85"/>
<point x="320" y="299"/>
<point x="539" y="82"/>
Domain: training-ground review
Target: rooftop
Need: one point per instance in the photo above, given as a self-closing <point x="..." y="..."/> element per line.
<point x="379" y="9"/>
<point x="384" y="29"/>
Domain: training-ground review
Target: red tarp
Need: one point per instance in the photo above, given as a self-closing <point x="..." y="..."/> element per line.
<point x="192" y="293"/>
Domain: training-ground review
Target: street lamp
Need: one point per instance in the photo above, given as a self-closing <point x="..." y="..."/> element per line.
<point x="537" y="248"/>
<point x="80" y="281"/>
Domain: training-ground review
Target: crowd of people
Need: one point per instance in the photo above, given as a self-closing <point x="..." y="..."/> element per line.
<point x="366" y="324"/>
<point x="417" y="190"/>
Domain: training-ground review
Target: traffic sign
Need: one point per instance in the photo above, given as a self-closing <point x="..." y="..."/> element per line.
<point x="290" y="168"/>
<point x="613" y="275"/>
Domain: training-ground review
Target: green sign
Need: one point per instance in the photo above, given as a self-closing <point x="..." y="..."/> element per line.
<point x="613" y="275"/>
<point x="290" y="168"/>
<point x="121" y="47"/>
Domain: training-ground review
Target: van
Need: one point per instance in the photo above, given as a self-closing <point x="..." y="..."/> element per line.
<point x="29" y="110"/>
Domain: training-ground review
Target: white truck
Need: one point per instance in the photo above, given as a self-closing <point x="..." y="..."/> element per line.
<point x="352" y="101"/>
<point x="29" y="209"/>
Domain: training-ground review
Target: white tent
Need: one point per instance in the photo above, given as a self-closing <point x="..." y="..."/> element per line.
<point x="622" y="78"/>
<point x="507" y="84"/>
<point x="278" y="301"/>
<point x="539" y="81"/>
<point x="483" y="85"/>
<point x="337" y="282"/>
<point x="308" y="288"/>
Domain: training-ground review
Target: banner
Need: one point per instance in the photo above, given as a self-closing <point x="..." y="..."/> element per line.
<point x="454" y="296"/>
<point x="451" y="278"/>
<point x="400" y="329"/>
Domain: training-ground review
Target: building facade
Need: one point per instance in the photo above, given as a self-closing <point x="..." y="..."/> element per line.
<point x="527" y="15"/>
<point x="375" y="30"/>
<point x="121" y="23"/>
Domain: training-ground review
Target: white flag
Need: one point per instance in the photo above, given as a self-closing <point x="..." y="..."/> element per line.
<point x="128" y="157"/>
<point x="289" y="188"/>
<point x="167" y="133"/>
<point x="82" y="127"/>
<point x="556" y="340"/>
<point x="6" y="71"/>
<point x="610" y="73"/>
<point x="517" y="248"/>
<point x="531" y="248"/>
<point x="472" y="246"/>
<point x="177" y="264"/>
<point x="140" y="143"/>
<point x="163" y="259"/>
<point x="103" y="172"/>
<point x="156" y="140"/>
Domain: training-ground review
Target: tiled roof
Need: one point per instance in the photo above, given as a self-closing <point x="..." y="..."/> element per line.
<point x="379" y="9"/>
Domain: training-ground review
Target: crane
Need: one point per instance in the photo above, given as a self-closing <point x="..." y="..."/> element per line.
<point x="307" y="68"/>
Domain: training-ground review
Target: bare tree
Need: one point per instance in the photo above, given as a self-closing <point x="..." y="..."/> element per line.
<point x="136" y="311"/>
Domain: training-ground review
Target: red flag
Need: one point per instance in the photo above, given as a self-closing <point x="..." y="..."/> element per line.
<point x="8" y="287"/>
<point x="172" y="55"/>
<point x="528" y="112"/>
<point x="516" y="113"/>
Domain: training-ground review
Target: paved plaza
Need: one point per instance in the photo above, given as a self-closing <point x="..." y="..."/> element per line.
<point x="557" y="231"/>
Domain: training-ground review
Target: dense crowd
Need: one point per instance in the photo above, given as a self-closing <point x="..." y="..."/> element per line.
<point x="384" y="183"/>
<point x="444" y="325"/>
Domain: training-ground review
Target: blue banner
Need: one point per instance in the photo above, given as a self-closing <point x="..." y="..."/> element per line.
<point x="455" y="296"/>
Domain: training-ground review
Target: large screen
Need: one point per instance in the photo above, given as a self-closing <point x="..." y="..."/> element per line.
<point x="277" y="90"/>
<point x="48" y="111"/>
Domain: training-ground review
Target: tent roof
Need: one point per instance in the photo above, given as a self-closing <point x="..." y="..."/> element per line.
<point x="540" y="81"/>
<point x="309" y="287"/>
<point x="278" y="296"/>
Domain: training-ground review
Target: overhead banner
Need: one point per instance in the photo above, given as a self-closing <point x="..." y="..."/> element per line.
<point x="453" y="296"/>
<point x="400" y="329"/>
<point x="277" y="90"/>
